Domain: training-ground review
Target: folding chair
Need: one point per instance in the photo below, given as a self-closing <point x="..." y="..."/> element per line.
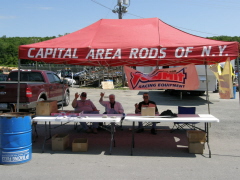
<point x="181" y="125"/>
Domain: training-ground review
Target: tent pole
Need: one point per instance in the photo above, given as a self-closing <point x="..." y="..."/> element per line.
<point x="98" y="72"/>
<point x="237" y="59"/>
<point x="103" y="73"/>
<point x="18" y="87"/>
<point x="120" y="17"/>
<point x="64" y="70"/>
<point x="207" y="98"/>
<point x="123" y="77"/>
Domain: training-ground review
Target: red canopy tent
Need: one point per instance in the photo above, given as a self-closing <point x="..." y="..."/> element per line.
<point x="131" y="42"/>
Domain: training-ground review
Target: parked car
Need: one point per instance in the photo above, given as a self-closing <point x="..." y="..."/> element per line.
<point x="35" y="85"/>
<point x="3" y="77"/>
<point x="80" y="76"/>
<point x="70" y="81"/>
<point x="65" y="73"/>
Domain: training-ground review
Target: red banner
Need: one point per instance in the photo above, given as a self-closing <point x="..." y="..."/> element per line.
<point x="181" y="78"/>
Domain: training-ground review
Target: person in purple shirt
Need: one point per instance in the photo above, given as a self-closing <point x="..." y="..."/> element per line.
<point x="87" y="107"/>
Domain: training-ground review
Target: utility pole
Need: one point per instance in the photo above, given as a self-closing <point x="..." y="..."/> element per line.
<point x="120" y="11"/>
<point x="122" y="8"/>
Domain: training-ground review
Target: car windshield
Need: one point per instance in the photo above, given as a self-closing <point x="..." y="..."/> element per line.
<point x="3" y="77"/>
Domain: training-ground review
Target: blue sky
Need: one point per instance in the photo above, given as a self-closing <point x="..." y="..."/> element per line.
<point x="41" y="18"/>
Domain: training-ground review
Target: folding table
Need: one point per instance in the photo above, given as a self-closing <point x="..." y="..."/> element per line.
<point x="199" y="118"/>
<point x="109" y="118"/>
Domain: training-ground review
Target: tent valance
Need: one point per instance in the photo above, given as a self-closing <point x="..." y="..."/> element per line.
<point x="130" y="42"/>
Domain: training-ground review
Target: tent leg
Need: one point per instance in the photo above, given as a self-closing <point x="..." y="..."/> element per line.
<point x="207" y="141"/>
<point x="18" y="87"/>
<point x="207" y="98"/>
<point x="123" y="77"/>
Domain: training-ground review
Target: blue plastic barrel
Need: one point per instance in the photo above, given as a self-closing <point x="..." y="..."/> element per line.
<point x="15" y="138"/>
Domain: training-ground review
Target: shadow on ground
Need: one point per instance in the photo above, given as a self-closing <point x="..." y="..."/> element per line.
<point x="164" y="144"/>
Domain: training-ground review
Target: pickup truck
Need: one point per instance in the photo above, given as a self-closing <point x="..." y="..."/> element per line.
<point x="35" y="85"/>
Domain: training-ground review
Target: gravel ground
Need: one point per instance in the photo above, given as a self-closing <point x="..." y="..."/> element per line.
<point x="164" y="156"/>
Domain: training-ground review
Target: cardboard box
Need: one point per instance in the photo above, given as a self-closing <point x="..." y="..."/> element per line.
<point x="107" y="85"/>
<point x="45" y="108"/>
<point x="196" y="136"/>
<point x="60" y="142"/>
<point x="80" y="144"/>
<point x="196" y="148"/>
<point x="148" y="111"/>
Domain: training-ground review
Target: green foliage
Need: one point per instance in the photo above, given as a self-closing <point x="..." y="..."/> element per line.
<point x="225" y="38"/>
<point x="9" y="47"/>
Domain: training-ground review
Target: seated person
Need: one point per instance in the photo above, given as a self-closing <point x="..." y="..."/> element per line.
<point x="85" y="106"/>
<point x="111" y="106"/>
<point x="138" y="108"/>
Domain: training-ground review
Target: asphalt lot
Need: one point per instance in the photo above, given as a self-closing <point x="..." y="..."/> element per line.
<point x="164" y="156"/>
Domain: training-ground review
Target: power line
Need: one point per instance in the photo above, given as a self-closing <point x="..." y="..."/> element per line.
<point x="101" y="4"/>
<point x="196" y="31"/>
<point x="134" y="15"/>
<point x="143" y="17"/>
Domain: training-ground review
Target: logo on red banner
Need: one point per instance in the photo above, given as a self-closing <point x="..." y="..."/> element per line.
<point x="158" y="76"/>
<point x="182" y="78"/>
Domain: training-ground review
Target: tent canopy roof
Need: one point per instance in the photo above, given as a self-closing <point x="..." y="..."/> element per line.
<point x="131" y="42"/>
